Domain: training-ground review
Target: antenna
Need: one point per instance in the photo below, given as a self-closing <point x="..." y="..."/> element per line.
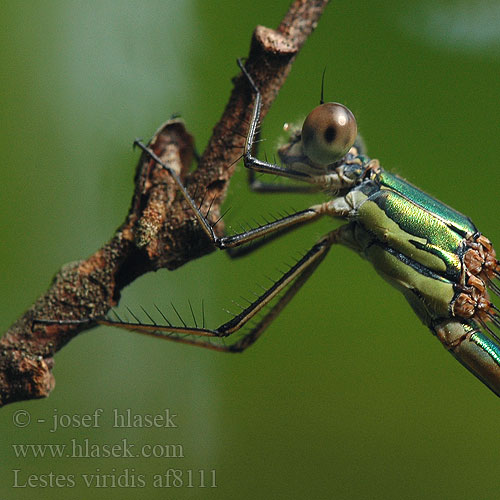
<point x="322" y="101"/>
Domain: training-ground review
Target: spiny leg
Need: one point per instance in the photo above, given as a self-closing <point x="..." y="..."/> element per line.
<point x="291" y="281"/>
<point x="250" y="337"/>
<point x="258" y="186"/>
<point x="242" y="250"/>
<point x="301" y="217"/>
<point x="251" y="161"/>
<point x="254" y="164"/>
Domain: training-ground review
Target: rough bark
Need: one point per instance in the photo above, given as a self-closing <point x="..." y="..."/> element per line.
<point x="159" y="231"/>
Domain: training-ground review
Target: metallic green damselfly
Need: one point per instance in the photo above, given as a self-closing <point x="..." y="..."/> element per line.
<point x="430" y="252"/>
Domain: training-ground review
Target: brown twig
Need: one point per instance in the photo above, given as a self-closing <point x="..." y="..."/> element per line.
<point x="159" y="232"/>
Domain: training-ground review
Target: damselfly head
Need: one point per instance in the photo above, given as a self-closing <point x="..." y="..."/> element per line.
<point x="329" y="131"/>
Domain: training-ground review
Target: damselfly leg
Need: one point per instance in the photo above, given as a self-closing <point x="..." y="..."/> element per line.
<point x="284" y="288"/>
<point x="430" y="252"/>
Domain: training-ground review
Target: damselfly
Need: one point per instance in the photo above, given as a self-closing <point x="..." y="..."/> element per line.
<point x="433" y="254"/>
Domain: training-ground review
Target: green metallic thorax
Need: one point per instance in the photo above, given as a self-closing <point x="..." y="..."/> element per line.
<point x="414" y="241"/>
<point x="428" y="231"/>
<point x="462" y="224"/>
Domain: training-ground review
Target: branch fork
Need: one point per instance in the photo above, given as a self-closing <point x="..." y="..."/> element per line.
<point x="159" y="231"/>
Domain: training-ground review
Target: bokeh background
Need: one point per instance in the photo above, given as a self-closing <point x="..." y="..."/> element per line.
<point x="346" y="395"/>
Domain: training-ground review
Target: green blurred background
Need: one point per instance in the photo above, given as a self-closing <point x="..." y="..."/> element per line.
<point x="346" y="395"/>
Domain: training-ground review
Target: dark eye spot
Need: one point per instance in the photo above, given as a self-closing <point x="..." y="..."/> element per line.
<point x="330" y="134"/>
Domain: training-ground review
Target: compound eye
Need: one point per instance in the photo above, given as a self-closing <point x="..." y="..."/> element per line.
<point x="328" y="133"/>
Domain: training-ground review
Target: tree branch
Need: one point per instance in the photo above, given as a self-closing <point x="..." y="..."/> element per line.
<point x="159" y="230"/>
